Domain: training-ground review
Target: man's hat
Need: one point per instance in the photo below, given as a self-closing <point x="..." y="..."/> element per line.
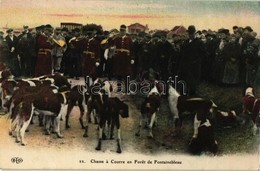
<point x="191" y="29"/>
<point x="25" y="27"/>
<point x="48" y="27"/>
<point x="223" y="30"/>
<point x="235" y="27"/>
<point x="248" y="28"/>
<point x="123" y="27"/>
<point x="210" y="33"/>
<point x="41" y="27"/>
<point x="199" y="32"/>
<point x="106" y="33"/>
<point x="9" y="30"/>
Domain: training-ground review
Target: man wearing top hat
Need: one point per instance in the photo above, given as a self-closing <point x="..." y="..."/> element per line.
<point x="192" y="53"/>
<point x="12" y="59"/>
<point x="123" y="58"/>
<point x="44" y="59"/>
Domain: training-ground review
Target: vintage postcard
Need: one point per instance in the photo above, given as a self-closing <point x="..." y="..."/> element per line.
<point x="140" y="85"/>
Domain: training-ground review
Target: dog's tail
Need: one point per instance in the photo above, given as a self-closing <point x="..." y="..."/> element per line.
<point x="214" y="104"/>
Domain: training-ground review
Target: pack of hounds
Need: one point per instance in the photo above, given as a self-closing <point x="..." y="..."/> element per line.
<point x="50" y="97"/>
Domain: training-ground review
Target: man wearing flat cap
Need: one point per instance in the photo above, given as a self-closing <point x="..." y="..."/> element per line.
<point x="123" y="58"/>
<point x="192" y="53"/>
<point x="12" y="59"/>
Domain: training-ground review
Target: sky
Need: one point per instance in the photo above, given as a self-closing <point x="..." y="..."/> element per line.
<point x="157" y="14"/>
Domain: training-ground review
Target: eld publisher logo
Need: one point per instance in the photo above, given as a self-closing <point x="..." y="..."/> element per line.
<point x="16" y="160"/>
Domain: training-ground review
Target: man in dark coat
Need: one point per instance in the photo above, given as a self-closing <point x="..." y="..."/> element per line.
<point x="75" y="53"/>
<point x="144" y="54"/>
<point x="4" y="49"/>
<point x="174" y="60"/>
<point x="137" y="47"/>
<point x="12" y="59"/>
<point x="44" y="59"/>
<point x="65" y="63"/>
<point x="165" y="51"/>
<point x="211" y="47"/>
<point x="245" y="40"/>
<point x="251" y="58"/>
<point x="91" y="55"/>
<point x="123" y="58"/>
<point x="25" y="50"/>
<point x="155" y="52"/>
<point x="192" y="53"/>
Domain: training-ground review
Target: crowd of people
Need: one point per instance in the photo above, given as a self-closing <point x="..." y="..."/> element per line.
<point x="220" y="57"/>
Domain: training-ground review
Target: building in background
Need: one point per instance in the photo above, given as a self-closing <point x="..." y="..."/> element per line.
<point x="136" y="28"/>
<point x="71" y="26"/>
<point x="177" y="30"/>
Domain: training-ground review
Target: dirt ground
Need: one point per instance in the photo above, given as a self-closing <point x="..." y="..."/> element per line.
<point x="232" y="140"/>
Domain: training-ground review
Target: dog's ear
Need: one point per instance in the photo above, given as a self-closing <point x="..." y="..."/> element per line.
<point x="245" y="88"/>
<point x="110" y="87"/>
